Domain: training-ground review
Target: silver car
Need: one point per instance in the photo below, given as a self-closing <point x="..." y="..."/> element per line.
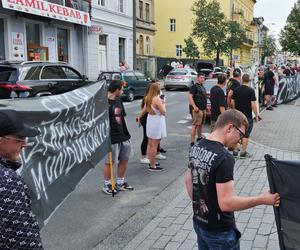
<point x="180" y="78"/>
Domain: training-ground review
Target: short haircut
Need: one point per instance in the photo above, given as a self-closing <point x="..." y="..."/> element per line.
<point x="232" y="116"/>
<point x="114" y="85"/>
<point x="237" y="72"/>
<point x="245" y="78"/>
<point x="200" y="74"/>
<point x="221" y="78"/>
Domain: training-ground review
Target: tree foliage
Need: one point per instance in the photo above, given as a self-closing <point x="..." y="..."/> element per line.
<point x="290" y="35"/>
<point x="218" y="34"/>
<point x="269" y="46"/>
<point x="191" y="50"/>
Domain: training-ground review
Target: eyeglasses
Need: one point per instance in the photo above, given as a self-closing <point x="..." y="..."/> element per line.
<point x="23" y="141"/>
<point x="242" y="135"/>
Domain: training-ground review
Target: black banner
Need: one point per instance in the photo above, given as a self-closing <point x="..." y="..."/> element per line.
<point x="289" y="88"/>
<point x="74" y="138"/>
<point x="284" y="178"/>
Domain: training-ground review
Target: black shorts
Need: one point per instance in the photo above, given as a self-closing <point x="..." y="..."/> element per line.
<point x="269" y="89"/>
<point x="250" y="127"/>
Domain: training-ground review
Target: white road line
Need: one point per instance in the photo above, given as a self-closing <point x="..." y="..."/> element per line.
<point x="190" y="127"/>
<point x="183" y="121"/>
<point x="173" y="94"/>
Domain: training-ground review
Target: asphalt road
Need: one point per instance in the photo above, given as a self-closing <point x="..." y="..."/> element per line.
<point x="90" y="218"/>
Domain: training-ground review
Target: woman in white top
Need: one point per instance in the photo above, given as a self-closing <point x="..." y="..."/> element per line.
<point x="156" y="123"/>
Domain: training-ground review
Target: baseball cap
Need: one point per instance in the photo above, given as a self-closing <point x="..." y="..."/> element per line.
<point x="11" y="124"/>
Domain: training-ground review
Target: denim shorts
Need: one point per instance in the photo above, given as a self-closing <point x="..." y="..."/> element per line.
<point x="120" y="151"/>
<point x="225" y="240"/>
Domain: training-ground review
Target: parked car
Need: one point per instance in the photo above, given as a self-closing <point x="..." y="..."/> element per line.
<point x="209" y="83"/>
<point x="206" y="68"/>
<point x="134" y="82"/>
<point x="180" y="78"/>
<point x="30" y="79"/>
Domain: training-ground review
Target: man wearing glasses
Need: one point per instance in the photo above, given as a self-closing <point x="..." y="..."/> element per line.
<point x="18" y="226"/>
<point x="209" y="183"/>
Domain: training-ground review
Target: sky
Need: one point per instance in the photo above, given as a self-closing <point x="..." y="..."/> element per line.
<point x="275" y="13"/>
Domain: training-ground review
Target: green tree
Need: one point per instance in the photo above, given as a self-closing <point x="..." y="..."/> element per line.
<point x="268" y="46"/>
<point x="191" y="49"/>
<point x="289" y="36"/>
<point x="218" y="34"/>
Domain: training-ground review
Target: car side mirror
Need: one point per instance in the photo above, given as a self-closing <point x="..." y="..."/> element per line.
<point x="85" y="78"/>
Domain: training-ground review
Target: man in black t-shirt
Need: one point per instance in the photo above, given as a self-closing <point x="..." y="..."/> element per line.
<point x="232" y="84"/>
<point x="244" y="100"/>
<point x="120" y="139"/>
<point x="209" y="183"/>
<point x="198" y="101"/>
<point x="217" y="100"/>
<point x="269" y="84"/>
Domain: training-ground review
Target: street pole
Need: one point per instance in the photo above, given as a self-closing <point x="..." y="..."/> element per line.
<point x="134" y="34"/>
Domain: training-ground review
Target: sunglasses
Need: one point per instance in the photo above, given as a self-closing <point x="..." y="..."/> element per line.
<point x="242" y="135"/>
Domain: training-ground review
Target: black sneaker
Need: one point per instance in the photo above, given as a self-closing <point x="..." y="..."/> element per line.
<point x="244" y="155"/>
<point x="269" y="108"/>
<point x="107" y="189"/>
<point x="125" y="186"/>
<point x="157" y="169"/>
<point x="161" y="150"/>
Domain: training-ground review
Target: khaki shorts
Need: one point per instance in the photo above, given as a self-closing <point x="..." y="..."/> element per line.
<point x="198" y="117"/>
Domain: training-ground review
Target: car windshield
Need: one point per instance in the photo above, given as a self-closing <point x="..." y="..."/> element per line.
<point x="8" y="74"/>
<point x="210" y="83"/>
<point x="178" y="72"/>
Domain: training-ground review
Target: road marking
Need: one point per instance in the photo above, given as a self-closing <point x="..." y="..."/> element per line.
<point x="183" y="121"/>
<point x="190" y="127"/>
<point x="173" y="94"/>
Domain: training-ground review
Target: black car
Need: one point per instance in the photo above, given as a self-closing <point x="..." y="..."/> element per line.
<point x="134" y="82"/>
<point x="30" y="79"/>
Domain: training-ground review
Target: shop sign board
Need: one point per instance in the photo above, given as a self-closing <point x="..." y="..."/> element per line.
<point x="95" y="30"/>
<point x="47" y="9"/>
<point x="18" y="50"/>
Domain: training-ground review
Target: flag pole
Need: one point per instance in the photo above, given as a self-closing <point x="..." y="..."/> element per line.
<point x="111" y="174"/>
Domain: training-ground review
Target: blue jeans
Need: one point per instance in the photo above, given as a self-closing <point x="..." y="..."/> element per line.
<point x="227" y="240"/>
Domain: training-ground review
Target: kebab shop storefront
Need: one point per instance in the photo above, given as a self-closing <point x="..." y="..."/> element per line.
<point x="37" y="30"/>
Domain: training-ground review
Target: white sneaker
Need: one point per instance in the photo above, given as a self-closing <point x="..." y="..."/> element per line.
<point x="144" y="161"/>
<point x="159" y="156"/>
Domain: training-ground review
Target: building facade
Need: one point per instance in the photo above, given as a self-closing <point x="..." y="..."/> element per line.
<point x="39" y="30"/>
<point x="145" y="32"/>
<point x="110" y="37"/>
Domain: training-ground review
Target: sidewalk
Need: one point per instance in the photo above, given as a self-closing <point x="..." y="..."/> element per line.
<point x="278" y="135"/>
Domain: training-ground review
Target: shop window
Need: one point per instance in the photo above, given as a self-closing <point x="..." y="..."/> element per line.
<point x="2" y="48"/>
<point x="121" y="49"/>
<point x="33" y="34"/>
<point x="62" y="45"/>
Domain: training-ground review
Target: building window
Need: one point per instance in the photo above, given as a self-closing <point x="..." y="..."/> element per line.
<point x="103" y="40"/>
<point x="2" y="49"/>
<point x="141" y="9"/>
<point x="141" y="45"/>
<point x="147" y="12"/>
<point x="62" y="45"/>
<point x="121" y="49"/>
<point x="101" y="2"/>
<point x="172" y="25"/>
<point x="121" y="6"/>
<point x="33" y="34"/>
<point x="147" y="45"/>
<point x="179" y="50"/>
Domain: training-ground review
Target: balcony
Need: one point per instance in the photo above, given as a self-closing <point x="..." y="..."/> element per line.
<point x="249" y="41"/>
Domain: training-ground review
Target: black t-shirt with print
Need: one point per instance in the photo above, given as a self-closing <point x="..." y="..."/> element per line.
<point x="243" y="96"/>
<point x="118" y="128"/>
<point x="217" y="99"/>
<point x="199" y="95"/>
<point x="210" y="163"/>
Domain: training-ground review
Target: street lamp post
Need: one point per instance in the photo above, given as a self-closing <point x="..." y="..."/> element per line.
<point x="134" y="33"/>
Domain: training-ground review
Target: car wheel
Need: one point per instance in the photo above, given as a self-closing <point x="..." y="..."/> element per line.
<point x="130" y="96"/>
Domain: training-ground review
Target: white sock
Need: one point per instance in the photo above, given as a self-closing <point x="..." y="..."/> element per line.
<point x="107" y="182"/>
<point x="120" y="181"/>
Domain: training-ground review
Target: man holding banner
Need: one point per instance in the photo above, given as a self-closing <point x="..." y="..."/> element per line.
<point x="120" y="140"/>
<point x="209" y="183"/>
<point x="18" y="226"/>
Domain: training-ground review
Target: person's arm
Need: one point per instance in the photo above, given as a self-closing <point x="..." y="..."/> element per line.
<point x="222" y="109"/>
<point x="189" y="183"/>
<point x="232" y="103"/>
<point x="159" y="105"/>
<point x="229" y="98"/>
<point x="228" y="202"/>
<point x="192" y="103"/>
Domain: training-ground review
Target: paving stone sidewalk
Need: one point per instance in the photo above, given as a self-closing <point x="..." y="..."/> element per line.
<point x="172" y="228"/>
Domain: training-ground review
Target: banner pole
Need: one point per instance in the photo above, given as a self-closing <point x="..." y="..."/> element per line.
<point x="111" y="174"/>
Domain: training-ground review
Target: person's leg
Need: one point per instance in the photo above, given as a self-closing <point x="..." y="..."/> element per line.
<point x="245" y="140"/>
<point x="193" y="132"/>
<point x="199" y="131"/>
<point x="107" y="188"/>
<point x="151" y="153"/>
<point x="144" y="142"/>
<point x="201" y="243"/>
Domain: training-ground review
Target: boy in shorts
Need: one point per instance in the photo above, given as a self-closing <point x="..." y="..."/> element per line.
<point x="120" y="139"/>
